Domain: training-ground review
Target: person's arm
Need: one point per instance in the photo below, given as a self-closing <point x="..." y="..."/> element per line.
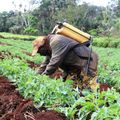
<point x="59" y="50"/>
<point x="44" y="64"/>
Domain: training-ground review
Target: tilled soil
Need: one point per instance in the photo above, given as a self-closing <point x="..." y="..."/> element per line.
<point x="4" y="44"/>
<point x="14" y="107"/>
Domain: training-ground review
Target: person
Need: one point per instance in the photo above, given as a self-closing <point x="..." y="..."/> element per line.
<point x="67" y="54"/>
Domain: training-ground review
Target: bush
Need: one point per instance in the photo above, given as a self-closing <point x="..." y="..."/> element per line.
<point x="114" y="43"/>
<point x="106" y="42"/>
<point x="93" y="32"/>
<point x="101" y="42"/>
<point x="16" y="29"/>
<point x="30" y="31"/>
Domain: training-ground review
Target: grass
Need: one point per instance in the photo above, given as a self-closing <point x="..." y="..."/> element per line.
<point x="17" y="36"/>
<point x="106" y="42"/>
<point x="17" y="48"/>
<point x="109" y="65"/>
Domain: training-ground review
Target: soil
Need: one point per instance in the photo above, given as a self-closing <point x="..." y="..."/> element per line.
<point x="2" y="36"/>
<point x="32" y="65"/>
<point x="27" y="53"/>
<point x="104" y="87"/>
<point x="14" y="107"/>
<point x="4" y="44"/>
<point x="1" y="56"/>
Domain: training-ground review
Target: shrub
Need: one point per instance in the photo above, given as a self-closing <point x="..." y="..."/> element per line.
<point x="16" y="29"/>
<point x="106" y="42"/>
<point x="93" y="32"/>
<point x="114" y="43"/>
<point x="101" y="42"/>
<point x="30" y="31"/>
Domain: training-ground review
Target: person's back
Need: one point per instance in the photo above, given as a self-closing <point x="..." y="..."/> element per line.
<point x="81" y="62"/>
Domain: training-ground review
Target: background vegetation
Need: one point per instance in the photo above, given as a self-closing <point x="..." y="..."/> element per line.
<point x="41" y="20"/>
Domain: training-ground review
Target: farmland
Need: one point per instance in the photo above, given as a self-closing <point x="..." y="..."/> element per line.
<point x="48" y="94"/>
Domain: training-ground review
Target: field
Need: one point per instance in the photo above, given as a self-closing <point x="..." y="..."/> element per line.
<point x="26" y="95"/>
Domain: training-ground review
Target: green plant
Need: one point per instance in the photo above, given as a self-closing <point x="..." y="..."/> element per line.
<point x="42" y="89"/>
<point x="17" y="36"/>
<point x="96" y="106"/>
<point x="30" y="31"/>
<point x="93" y="32"/>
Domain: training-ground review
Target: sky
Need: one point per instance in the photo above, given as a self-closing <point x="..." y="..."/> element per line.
<point x="7" y="5"/>
<point x="97" y="2"/>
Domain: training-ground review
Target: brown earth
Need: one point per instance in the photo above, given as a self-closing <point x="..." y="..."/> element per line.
<point x="2" y="36"/>
<point x="4" y="44"/>
<point x="104" y="87"/>
<point x="14" y="107"/>
<point x="27" y="53"/>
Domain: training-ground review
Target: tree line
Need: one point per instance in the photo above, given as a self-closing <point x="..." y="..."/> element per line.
<point x="41" y="20"/>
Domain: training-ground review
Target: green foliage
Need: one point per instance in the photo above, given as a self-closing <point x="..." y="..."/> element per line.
<point x="108" y="67"/>
<point x="42" y="89"/>
<point x="5" y="22"/>
<point x="16" y="48"/>
<point x="15" y="29"/>
<point x="95" y="106"/>
<point x="58" y="95"/>
<point x="17" y="36"/>
<point x="30" y="31"/>
<point x="44" y="17"/>
<point x="93" y="32"/>
<point x="106" y="42"/>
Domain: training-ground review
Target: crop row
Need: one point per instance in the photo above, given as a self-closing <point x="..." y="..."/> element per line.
<point x="61" y="96"/>
<point x="106" y="42"/>
<point x="18" y="48"/>
<point x="97" y="41"/>
<point x="16" y="36"/>
<point x="108" y="67"/>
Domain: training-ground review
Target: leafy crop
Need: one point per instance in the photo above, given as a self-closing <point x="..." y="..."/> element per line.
<point x="109" y="66"/>
<point x="95" y="106"/>
<point x="58" y="95"/>
<point x="16" y="36"/>
<point x="106" y="42"/>
<point x="41" y="89"/>
<point x="16" y="48"/>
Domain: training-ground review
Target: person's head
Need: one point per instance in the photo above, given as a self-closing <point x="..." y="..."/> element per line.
<point x="40" y="45"/>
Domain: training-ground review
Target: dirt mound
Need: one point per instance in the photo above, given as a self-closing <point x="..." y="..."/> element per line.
<point x="2" y="36"/>
<point x="32" y="65"/>
<point x="4" y="44"/>
<point x="14" y="107"/>
<point x="27" y="53"/>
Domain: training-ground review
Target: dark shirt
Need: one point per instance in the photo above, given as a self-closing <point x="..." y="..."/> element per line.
<point x="65" y="53"/>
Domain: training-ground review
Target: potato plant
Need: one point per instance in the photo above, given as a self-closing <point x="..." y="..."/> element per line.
<point x="17" y="48"/>
<point x="17" y="36"/>
<point x="41" y="89"/>
<point x="106" y="42"/>
<point x="61" y="96"/>
<point x="109" y="66"/>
